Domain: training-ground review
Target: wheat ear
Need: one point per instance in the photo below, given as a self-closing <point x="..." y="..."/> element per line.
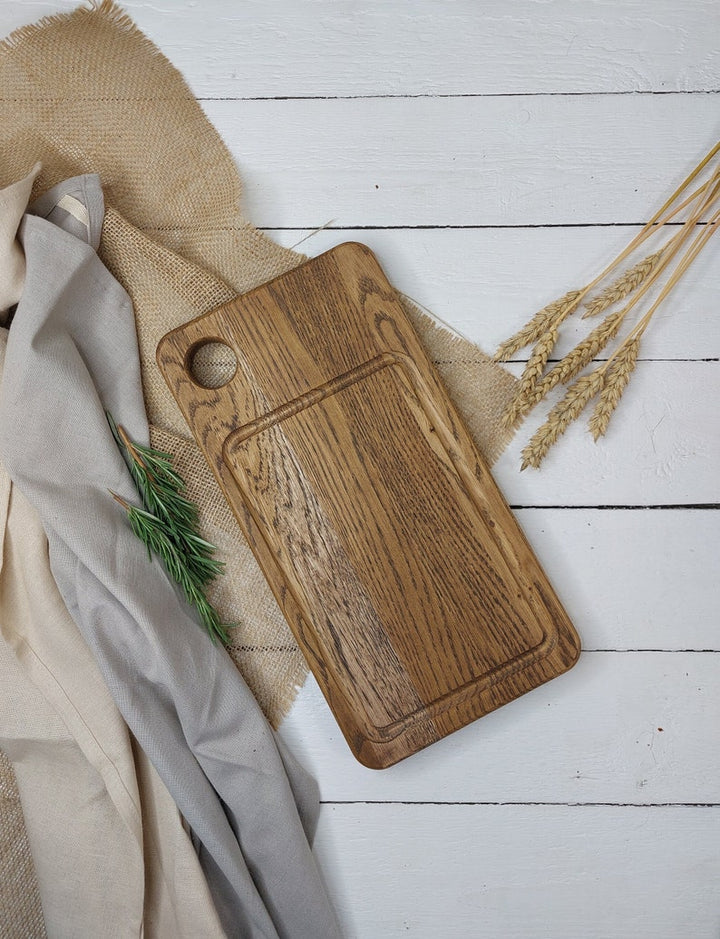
<point x="616" y="379"/>
<point x="558" y="310"/>
<point x="532" y="373"/>
<point x="567" y="368"/>
<point x="620" y="366"/>
<point x="624" y="285"/>
<point x="566" y="304"/>
<point x="561" y="416"/>
<point x="583" y="353"/>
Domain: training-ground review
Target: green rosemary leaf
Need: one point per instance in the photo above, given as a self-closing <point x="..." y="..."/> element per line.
<point x="150" y="531"/>
<point x="167" y="524"/>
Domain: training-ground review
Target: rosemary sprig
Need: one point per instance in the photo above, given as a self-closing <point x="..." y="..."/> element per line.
<point x="167" y="525"/>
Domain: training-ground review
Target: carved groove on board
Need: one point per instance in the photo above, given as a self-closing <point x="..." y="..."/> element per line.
<point x="405" y="577"/>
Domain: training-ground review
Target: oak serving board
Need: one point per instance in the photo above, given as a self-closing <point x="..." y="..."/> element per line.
<point x="402" y="572"/>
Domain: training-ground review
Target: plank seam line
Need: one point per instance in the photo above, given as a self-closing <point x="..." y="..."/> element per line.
<point x="660" y="651"/>
<point x="424" y="227"/>
<point x="710" y="358"/>
<point x="404" y="227"/>
<point x="465" y="94"/>
<point x="614" y="805"/>
<point x="670" y="506"/>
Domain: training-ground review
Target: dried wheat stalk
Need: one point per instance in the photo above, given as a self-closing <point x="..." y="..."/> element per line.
<point x="560" y="309"/>
<point x="560" y="418"/>
<point x="534" y="386"/>
<point x="538" y="325"/>
<point x="616" y="379"/>
<point x="584" y="352"/>
<point x="624" y="285"/>
<point x="610" y="379"/>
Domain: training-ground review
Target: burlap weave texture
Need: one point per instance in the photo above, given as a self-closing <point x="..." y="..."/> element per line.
<point x="88" y="92"/>
<point x="20" y="910"/>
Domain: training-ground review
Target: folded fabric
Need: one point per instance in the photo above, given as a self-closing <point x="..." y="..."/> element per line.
<point x="88" y="92"/>
<point x="110" y="852"/>
<point x="71" y="356"/>
<point x="101" y="824"/>
<point x="13" y="201"/>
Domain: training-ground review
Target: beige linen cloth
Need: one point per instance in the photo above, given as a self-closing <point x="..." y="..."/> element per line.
<point x="88" y="92"/>
<point x="110" y="851"/>
<point x="71" y="357"/>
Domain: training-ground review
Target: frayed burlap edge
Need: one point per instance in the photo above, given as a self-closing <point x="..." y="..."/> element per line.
<point x="86" y="91"/>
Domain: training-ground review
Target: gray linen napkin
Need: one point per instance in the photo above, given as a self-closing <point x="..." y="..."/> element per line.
<point x="71" y="355"/>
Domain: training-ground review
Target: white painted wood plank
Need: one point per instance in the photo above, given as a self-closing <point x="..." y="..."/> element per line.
<point x="662" y="446"/>
<point x="463" y="161"/>
<point x="486" y="283"/>
<point x="522" y="873"/>
<point x="633" y="579"/>
<point x="591" y="736"/>
<point x="344" y="47"/>
<point x="622" y="727"/>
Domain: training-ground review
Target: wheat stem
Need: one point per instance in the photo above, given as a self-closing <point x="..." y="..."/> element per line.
<point x="657" y="219"/>
<point x="673" y="246"/>
<point x="554" y="313"/>
<point x="631" y="279"/>
<point x="684" y="204"/>
<point x="619" y="366"/>
<point x="695" y="248"/>
<point x="686" y="182"/>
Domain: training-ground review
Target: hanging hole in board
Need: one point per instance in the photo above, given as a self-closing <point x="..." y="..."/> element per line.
<point x="212" y="364"/>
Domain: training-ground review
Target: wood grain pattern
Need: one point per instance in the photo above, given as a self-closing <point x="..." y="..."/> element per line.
<point x="403" y="574"/>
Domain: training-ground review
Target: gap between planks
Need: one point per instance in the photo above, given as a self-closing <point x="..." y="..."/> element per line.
<point x="269" y="229"/>
<point x="430" y="227"/>
<point x="571" y="805"/>
<point x="692" y="506"/>
<point x="468" y="94"/>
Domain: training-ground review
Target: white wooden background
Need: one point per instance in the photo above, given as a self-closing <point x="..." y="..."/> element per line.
<point x="493" y="154"/>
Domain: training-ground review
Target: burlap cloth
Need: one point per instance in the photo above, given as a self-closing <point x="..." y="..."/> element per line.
<point x="21" y="914"/>
<point x="88" y="92"/>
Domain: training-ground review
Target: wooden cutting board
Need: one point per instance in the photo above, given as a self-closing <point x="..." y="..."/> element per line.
<point x="402" y="572"/>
